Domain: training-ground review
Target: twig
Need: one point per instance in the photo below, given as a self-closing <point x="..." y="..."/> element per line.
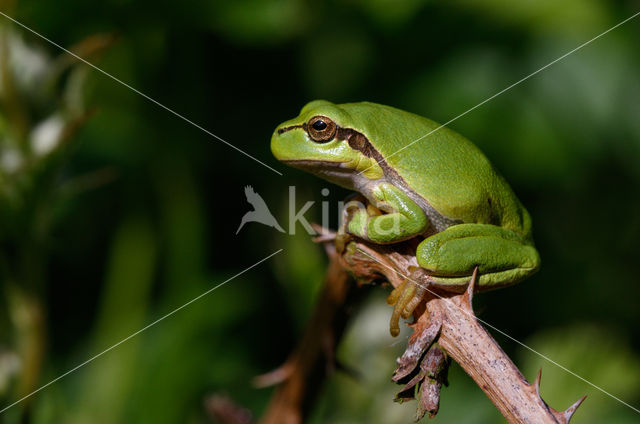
<point x="314" y="358"/>
<point x="222" y="410"/>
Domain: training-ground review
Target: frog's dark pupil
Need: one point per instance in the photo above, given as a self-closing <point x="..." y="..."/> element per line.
<point x="319" y="125"/>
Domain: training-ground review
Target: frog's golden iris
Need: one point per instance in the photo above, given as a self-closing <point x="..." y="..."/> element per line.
<point x="321" y="129"/>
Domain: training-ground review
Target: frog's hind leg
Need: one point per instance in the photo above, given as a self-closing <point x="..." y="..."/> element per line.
<point x="405" y="298"/>
<point x="503" y="257"/>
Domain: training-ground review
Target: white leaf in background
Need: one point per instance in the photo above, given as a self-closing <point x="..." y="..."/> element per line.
<point x="46" y="135"/>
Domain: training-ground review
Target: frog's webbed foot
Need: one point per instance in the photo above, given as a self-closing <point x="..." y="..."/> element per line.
<point x="406" y="297"/>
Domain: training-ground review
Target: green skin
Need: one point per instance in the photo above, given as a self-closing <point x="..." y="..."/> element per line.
<point x="441" y="188"/>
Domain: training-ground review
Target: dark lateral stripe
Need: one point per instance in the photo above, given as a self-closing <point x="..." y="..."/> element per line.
<point x="361" y="143"/>
<point x="358" y="141"/>
<point x="292" y="127"/>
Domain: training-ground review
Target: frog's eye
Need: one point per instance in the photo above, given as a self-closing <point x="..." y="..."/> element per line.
<point x="321" y="129"/>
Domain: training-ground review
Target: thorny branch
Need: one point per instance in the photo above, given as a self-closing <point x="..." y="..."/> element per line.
<point x="444" y="328"/>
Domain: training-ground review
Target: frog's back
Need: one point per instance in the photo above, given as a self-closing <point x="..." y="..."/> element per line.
<point x="441" y="166"/>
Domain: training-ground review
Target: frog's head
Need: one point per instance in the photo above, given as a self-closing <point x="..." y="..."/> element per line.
<point x="323" y="141"/>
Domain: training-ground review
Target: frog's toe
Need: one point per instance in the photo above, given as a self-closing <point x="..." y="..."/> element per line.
<point x="411" y="305"/>
<point x="341" y="240"/>
<point x="404" y="298"/>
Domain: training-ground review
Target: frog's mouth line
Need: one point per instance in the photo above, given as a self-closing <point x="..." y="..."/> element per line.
<point x="334" y="172"/>
<point x="318" y="165"/>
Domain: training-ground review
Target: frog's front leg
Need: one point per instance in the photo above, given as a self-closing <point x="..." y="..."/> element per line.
<point x="394" y="218"/>
<point x="502" y="256"/>
<point x="401" y="219"/>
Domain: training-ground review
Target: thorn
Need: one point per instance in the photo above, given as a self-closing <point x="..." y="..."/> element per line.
<point x="536" y="384"/>
<point x="324" y="235"/>
<point x="561" y="417"/>
<point x="468" y="295"/>
<point x="564" y="416"/>
<point x="568" y="413"/>
<point x="324" y="238"/>
<point x="274" y="377"/>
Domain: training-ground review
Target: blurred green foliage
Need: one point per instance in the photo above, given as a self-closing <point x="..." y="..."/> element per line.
<point x="137" y="214"/>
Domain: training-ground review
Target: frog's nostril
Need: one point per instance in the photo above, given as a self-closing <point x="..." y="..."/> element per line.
<point x="280" y="131"/>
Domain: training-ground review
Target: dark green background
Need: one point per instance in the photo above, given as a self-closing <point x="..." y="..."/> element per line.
<point x="161" y="229"/>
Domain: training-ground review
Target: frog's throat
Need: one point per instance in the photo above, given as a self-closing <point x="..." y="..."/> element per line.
<point x="334" y="172"/>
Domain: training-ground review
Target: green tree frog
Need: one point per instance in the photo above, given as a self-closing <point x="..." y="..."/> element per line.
<point x="440" y="188"/>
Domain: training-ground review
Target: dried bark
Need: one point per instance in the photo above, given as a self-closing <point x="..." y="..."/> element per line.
<point x="444" y="328"/>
